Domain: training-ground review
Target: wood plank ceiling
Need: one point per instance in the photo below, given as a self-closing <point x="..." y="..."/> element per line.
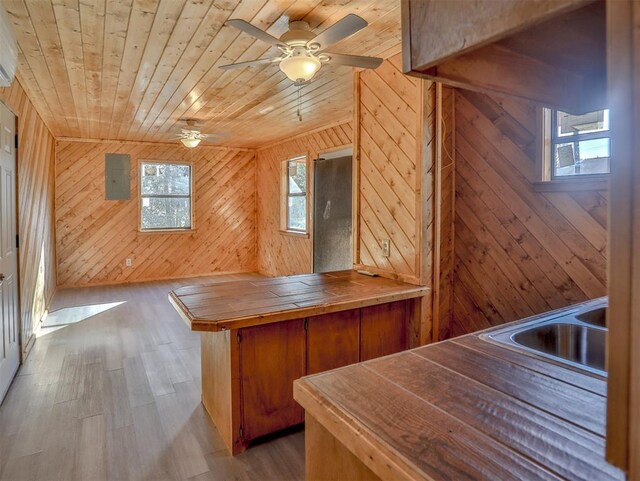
<point x="132" y="69"/>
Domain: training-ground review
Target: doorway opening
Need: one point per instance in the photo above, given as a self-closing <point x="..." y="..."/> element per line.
<point x="9" y="317"/>
<point x="332" y="211"/>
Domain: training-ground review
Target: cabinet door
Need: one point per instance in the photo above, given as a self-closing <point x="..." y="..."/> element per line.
<point x="332" y="340"/>
<point x="272" y="356"/>
<point x="383" y="330"/>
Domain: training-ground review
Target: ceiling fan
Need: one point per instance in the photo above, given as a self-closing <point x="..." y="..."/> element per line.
<point x="304" y="52"/>
<point x="191" y="136"/>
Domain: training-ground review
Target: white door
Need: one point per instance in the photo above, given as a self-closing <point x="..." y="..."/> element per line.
<point x="10" y="347"/>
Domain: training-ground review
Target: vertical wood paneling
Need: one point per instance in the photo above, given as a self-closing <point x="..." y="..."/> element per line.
<point x="35" y="215"/>
<point x="95" y="236"/>
<point x="444" y="207"/>
<point x="281" y="253"/>
<point x="518" y="252"/>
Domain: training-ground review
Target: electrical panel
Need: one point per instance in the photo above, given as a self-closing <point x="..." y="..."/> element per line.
<point x="117" y="176"/>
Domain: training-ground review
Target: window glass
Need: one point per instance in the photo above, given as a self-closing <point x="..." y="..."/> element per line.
<point x="568" y="124"/>
<point x="580" y="144"/>
<point x="582" y="157"/>
<point x="166" y="179"/>
<point x="297" y="177"/>
<point x="296" y="201"/>
<point x="297" y="213"/>
<point x="165" y="196"/>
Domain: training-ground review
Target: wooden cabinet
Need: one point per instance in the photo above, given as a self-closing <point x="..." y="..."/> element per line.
<point x="272" y="356"/>
<point x="333" y="340"/>
<point x="248" y="373"/>
<point x="537" y="51"/>
<point x="383" y="330"/>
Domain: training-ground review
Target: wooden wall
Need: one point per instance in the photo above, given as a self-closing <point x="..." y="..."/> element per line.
<point x="404" y="176"/>
<point x="35" y="215"/>
<point x="95" y="236"/>
<point x="404" y="149"/>
<point x="517" y="251"/>
<point x="444" y="217"/>
<point x="388" y="119"/>
<point x="281" y="253"/>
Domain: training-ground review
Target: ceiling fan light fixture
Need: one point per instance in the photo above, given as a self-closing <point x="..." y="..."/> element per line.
<point x="300" y="66"/>
<point x="190" y="143"/>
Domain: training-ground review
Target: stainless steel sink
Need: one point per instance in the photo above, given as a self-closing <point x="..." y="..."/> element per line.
<point x="596" y="316"/>
<point x="575" y="336"/>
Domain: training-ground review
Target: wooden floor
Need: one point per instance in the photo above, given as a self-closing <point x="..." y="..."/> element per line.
<point x="113" y="392"/>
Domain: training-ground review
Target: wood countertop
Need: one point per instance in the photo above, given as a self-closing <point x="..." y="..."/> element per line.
<point x="237" y="304"/>
<point x="464" y="409"/>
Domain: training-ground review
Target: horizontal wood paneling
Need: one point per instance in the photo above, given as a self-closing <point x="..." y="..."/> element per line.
<point x="281" y="253"/>
<point x="95" y="236"/>
<point x="35" y="210"/>
<point x="517" y="251"/>
<point x="131" y="70"/>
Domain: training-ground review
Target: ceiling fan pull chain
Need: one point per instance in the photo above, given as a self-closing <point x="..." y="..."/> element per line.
<point x="299" y="103"/>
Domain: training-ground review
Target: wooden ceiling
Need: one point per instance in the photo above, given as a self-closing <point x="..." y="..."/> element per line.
<point x="134" y="69"/>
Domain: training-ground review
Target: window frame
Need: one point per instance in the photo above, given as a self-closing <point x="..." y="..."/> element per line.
<point x="285" y="195"/>
<point x="545" y="178"/>
<point x="191" y="197"/>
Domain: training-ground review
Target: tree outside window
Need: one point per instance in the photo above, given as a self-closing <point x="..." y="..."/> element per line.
<point x="296" y="194"/>
<point x="165" y="196"/>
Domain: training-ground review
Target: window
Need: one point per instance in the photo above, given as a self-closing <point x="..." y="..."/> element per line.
<point x="295" y="190"/>
<point x="579" y="144"/>
<point x="165" y="196"/>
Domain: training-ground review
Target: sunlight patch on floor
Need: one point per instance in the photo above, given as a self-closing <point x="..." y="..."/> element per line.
<point x="66" y="316"/>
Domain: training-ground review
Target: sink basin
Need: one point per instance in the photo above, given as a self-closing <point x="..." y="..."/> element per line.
<point x="576" y="343"/>
<point x="575" y="337"/>
<point x="597" y="316"/>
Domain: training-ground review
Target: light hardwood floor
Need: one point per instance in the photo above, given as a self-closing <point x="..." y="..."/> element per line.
<point x="115" y="395"/>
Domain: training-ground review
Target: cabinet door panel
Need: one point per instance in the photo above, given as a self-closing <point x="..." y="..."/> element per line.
<point x="272" y="356"/>
<point x="383" y="330"/>
<point x="332" y="340"/>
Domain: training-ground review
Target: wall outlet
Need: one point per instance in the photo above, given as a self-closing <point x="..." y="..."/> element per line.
<point x="128" y="262"/>
<point x="385" y="245"/>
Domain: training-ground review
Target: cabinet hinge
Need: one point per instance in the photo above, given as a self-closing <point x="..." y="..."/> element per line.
<point x="17" y="241"/>
<point x="306" y="324"/>
<point x="238" y="338"/>
<point x="16" y="141"/>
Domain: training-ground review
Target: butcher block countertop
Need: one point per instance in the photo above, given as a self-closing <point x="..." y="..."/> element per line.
<point x="237" y="304"/>
<point x="464" y="409"/>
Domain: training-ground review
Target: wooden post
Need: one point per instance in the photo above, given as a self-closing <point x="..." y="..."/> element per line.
<point x="623" y="396"/>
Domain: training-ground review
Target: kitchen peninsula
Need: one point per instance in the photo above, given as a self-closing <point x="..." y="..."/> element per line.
<point x="260" y="335"/>
<point x="464" y="408"/>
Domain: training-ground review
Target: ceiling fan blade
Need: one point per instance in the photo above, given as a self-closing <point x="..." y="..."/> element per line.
<point x="250" y="63"/>
<point x="353" y="60"/>
<point x="341" y="29"/>
<point x="215" y="137"/>
<point x="246" y="27"/>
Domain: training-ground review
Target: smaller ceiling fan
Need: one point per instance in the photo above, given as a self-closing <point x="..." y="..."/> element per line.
<point x="303" y="51"/>
<point x="191" y="136"/>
